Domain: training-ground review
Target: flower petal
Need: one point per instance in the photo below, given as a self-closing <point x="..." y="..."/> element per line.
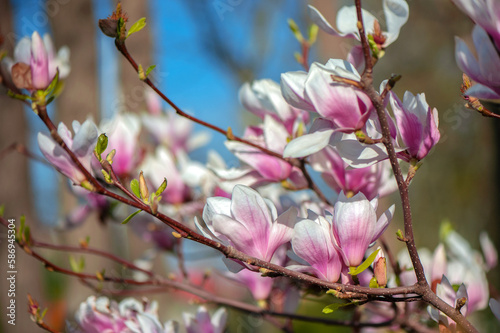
<point x="308" y="144"/>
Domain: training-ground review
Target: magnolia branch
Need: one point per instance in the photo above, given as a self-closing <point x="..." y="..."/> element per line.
<point x="162" y="285"/>
<point x="422" y="287"/>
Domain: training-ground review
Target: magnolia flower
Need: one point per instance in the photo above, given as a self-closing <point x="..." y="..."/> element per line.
<point x="35" y="63"/>
<point x="417" y="124"/>
<point x="248" y="222"/>
<point x="396" y="14"/>
<point x="123" y="134"/>
<point x="174" y="132"/>
<point x="130" y="316"/>
<point x="372" y="181"/>
<point x="88" y="202"/>
<point x="162" y="165"/>
<point x="314" y="243"/>
<point x="152" y="231"/>
<point x="445" y="291"/>
<point x="82" y="145"/>
<point x="263" y="98"/>
<point x="482" y="69"/>
<point x="485" y="13"/>
<point x="465" y="265"/>
<point x="355" y="226"/>
<point x="272" y="135"/>
<point x="202" y="323"/>
<point x="260" y="286"/>
<point x="347" y="107"/>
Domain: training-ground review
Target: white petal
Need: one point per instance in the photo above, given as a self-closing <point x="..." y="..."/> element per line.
<point x="308" y="144"/>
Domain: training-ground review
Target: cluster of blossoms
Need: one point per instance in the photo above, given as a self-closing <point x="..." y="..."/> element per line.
<point x="131" y="316"/>
<point x="268" y="208"/>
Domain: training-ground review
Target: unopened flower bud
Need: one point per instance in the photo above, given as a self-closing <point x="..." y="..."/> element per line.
<point x="380" y="272"/>
<point x="109" y="27"/>
<point x="143" y="188"/>
<point x="39" y="63"/>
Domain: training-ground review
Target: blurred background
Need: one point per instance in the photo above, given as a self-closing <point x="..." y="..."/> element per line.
<point x="204" y="51"/>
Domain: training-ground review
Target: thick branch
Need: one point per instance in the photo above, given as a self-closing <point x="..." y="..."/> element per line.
<point x="422" y="285"/>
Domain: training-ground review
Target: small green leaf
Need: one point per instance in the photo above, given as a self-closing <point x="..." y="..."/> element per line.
<point x="140" y="71"/>
<point x="295" y="30"/>
<point x="399" y="234"/>
<point x="107" y="177"/>
<point x="137" y="26"/>
<point x="43" y="313"/>
<point x="102" y="144"/>
<point x="150" y="68"/>
<point x="162" y="187"/>
<point x="373" y="283"/>
<point x="27" y="234"/>
<point x="445" y="229"/>
<point x="365" y="264"/>
<point x="334" y="307"/>
<point x="134" y="185"/>
<point x="2" y="210"/>
<point x="53" y="83"/>
<point x="313" y="33"/>
<point x="21" y="97"/>
<point x="127" y="220"/>
<point x="77" y="266"/>
<point x="110" y="156"/>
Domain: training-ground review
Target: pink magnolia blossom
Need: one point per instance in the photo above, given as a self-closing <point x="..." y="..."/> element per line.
<point x="465" y="266"/>
<point x="417" y="124"/>
<point x="263" y="98"/>
<point x="445" y="291"/>
<point x="372" y="181"/>
<point x="100" y="315"/>
<point x="485" y="13"/>
<point x="123" y="134"/>
<point x="347" y="107"/>
<point x="202" y="322"/>
<point x="248" y="222"/>
<point x="162" y="165"/>
<point x="482" y="69"/>
<point x="396" y="14"/>
<point x="355" y="226"/>
<point x="82" y="146"/>
<point x="271" y="135"/>
<point x="260" y="286"/>
<point x="43" y="63"/>
<point x="174" y="132"/>
<point x="314" y="243"/>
